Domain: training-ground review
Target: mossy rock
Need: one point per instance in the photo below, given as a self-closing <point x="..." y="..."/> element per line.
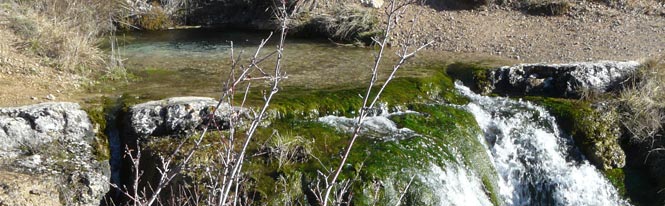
<point x="617" y="177"/>
<point x="448" y="135"/>
<point x="402" y="91"/>
<point x="473" y="75"/>
<point x="596" y="131"/>
<point x="98" y="113"/>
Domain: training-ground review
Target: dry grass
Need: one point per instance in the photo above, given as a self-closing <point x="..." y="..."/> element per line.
<point x="287" y="149"/>
<point x="61" y="34"/>
<point x="347" y="23"/>
<point x="149" y="15"/>
<point x="643" y="104"/>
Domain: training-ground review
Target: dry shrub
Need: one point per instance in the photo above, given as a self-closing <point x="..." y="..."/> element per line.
<point x="287" y="148"/>
<point x="155" y="19"/>
<point x="150" y="15"/>
<point x="643" y="103"/>
<point x="348" y="23"/>
<point x="62" y="34"/>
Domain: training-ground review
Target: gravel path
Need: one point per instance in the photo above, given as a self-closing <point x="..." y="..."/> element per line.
<point x="589" y="32"/>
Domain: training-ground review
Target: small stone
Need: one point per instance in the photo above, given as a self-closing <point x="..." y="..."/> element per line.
<point x="50" y="97"/>
<point x="33" y="98"/>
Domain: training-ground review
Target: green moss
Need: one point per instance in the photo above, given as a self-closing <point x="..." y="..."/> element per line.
<point x="402" y="91"/>
<point x="595" y="133"/>
<point x="617" y="178"/>
<point x="473" y="75"/>
<point x="572" y="115"/>
<point x="98" y="117"/>
<point x="446" y="132"/>
<point x="457" y="129"/>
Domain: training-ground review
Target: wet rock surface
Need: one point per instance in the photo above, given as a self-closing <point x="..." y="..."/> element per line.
<point x="52" y="143"/>
<point x="560" y="80"/>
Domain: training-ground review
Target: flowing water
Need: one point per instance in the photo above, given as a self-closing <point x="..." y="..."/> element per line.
<point x="536" y="163"/>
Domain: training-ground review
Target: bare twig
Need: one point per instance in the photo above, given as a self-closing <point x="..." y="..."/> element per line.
<point x="401" y="196"/>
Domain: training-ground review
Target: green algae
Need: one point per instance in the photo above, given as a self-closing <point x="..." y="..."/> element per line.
<point x="444" y="131"/>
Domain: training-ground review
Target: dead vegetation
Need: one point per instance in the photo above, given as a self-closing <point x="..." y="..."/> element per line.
<point x="60" y="34"/>
<point x="643" y="103"/>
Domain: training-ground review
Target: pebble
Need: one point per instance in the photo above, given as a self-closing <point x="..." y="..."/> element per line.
<point x="50" y="97"/>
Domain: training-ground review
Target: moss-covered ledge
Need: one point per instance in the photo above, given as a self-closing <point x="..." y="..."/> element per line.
<point x="595" y="129"/>
<point x="435" y="87"/>
<point x="447" y="136"/>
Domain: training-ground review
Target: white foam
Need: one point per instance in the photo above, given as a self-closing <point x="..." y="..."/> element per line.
<point x="530" y="156"/>
<point x="455" y="186"/>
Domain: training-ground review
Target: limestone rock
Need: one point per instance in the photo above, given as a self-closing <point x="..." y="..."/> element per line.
<point x="560" y="80"/>
<point x="51" y="142"/>
<point x="178" y="115"/>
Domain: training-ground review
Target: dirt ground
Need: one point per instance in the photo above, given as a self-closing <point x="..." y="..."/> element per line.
<point x="588" y="32"/>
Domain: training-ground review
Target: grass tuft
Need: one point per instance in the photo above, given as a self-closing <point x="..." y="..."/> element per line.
<point x="643" y="103"/>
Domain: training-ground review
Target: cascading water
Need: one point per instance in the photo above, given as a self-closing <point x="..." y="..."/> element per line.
<point x="450" y="185"/>
<point x="537" y="165"/>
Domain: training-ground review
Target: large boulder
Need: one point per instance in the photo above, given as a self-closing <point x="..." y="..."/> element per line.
<point x="177" y="116"/>
<point x="560" y="80"/>
<point x="51" y="145"/>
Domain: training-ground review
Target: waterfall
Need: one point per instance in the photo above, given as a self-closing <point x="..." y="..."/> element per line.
<point x="536" y="164"/>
